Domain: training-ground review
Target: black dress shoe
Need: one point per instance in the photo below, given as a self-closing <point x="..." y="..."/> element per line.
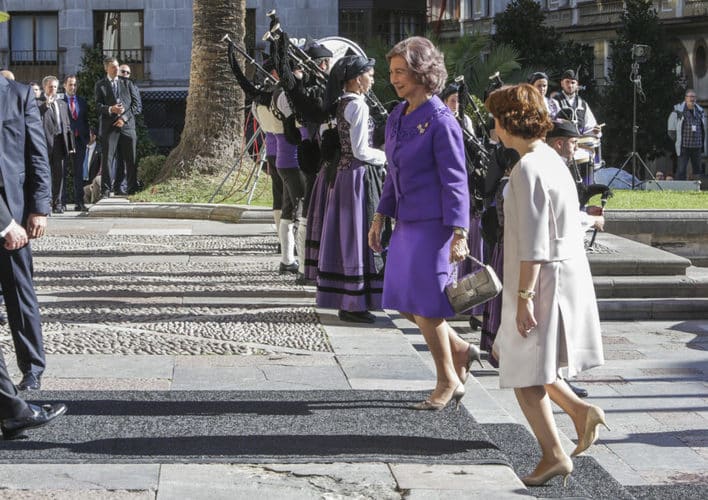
<point x="12" y="428"/>
<point x="579" y="391"/>
<point x="302" y="281"/>
<point x="30" y="382"/>
<point x="58" y="210"/>
<point x="357" y="316"/>
<point x="475" y="323"/>
<point x="288" y="268"/>
<point x="80" y="208"/>
<point x="120" y="192"/>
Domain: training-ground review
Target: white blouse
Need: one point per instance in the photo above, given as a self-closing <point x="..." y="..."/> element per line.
<point x="356" y="113"/>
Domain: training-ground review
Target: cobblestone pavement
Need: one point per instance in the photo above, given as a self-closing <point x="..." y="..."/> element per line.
<point x="108" y="300"/>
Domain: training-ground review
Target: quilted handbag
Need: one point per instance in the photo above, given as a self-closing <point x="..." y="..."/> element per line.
<point x="476" y="288"/>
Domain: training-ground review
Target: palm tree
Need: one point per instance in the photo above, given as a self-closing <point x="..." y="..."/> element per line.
<point x="213" y="123"/>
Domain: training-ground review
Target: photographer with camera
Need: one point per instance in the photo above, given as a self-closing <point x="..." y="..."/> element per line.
<point x="687" y="128"/>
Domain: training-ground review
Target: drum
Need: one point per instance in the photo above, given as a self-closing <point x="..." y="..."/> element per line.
<point x="584" y="160"/>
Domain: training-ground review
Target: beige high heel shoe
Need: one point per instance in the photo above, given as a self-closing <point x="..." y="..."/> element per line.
<point x="457" y="395"/>
<point x="594" y="418"/>
<point x="473" y="354"/>
<point x="563" y="468"/>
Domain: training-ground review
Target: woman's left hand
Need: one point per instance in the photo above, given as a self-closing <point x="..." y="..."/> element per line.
<point x="458" y="248"/>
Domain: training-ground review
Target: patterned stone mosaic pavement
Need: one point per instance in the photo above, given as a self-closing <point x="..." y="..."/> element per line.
<point x="216" y="295"/>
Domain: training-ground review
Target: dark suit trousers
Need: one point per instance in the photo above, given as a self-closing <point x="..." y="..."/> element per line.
<point x="57" y="162"/>
<point x="11" y="405"/>
<point x="125" y="140"/>
<point x="78" y="170"/>
<point x="22" y="308"/>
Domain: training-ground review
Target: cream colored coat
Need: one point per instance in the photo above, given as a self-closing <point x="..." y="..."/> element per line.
<point x="542" y="224"/>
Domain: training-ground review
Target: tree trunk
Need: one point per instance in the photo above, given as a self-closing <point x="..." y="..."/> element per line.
<point x="213" y="124"/>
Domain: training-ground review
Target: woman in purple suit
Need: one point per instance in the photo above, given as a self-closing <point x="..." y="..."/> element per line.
<point x="426" y="193"/>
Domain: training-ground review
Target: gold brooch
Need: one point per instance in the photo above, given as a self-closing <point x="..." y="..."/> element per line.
<point x="422" y="127"/>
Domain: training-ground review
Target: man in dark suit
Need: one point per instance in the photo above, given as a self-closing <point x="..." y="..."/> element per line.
<point x="60" y="140"/>
<point x="118" y="104"/>
<point x="16" y="415"/>
<point x="25" y="180"/>
<point x="78" y="121"/>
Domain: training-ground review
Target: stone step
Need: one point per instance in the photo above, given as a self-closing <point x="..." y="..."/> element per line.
<point x="692" y="285"/>
<point x="681" y="309"/>
<point x="618" y="256"/>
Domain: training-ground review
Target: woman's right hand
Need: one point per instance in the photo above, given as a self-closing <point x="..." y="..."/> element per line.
<point x="375" y="236"/>
<point x="525" y="318"/>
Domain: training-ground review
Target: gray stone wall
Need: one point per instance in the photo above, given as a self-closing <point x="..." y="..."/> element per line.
<point x="167" y="32"/>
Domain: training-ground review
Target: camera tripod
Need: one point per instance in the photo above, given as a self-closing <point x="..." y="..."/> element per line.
<point x="634" y="156"/>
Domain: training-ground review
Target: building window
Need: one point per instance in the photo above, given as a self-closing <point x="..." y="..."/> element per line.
<point x="699" y="58"/>
<point x="479" y="9"/>
<point x="33" y="38"/>
<point x="444" y="10"/>
<point x="352" y="25"/>
<point x="401" y="25"/>
<point x="120" y="34"/>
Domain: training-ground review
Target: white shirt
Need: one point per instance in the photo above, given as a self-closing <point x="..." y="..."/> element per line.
<point x="356" y="113"/>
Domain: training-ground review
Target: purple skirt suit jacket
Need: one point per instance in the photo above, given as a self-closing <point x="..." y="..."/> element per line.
<point x="426" y="193"/>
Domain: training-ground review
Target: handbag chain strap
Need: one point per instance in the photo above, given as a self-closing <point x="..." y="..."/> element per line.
<point x="456" y="267"/>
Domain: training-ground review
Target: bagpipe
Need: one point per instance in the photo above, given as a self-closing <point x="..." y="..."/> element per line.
<point x="260" y="90"/>
<point x="478" y="150"/>
<point x="287" y="51"/>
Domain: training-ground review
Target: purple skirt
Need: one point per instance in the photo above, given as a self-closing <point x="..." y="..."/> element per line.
<point x="418" y="268"/>
<point x="315" y="218"/>
<point x="347" y="277"/>
<point x="493" y="308"/>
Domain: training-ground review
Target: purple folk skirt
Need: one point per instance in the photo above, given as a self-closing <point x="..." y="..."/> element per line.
<point x="418" y="268"/>
<point x="347" y="277"/>
<point x="315" y="218"/>
<point x="493" y="308"/>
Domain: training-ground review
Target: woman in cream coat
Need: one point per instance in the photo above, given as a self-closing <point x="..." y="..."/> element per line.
<point x="550" y="322"/>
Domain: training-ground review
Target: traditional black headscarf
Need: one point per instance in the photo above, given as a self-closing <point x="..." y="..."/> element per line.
<point x="539" y="75"/>
<point x="453" y="88"/>
<point x="345" y="69"/>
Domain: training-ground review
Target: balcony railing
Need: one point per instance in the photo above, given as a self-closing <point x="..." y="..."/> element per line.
<point x="31" y="65"/>
<point x="600" y="12"/>
<point x="135" y="58"/>
<point x="695" y="8"/>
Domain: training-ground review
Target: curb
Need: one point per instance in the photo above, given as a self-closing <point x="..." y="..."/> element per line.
<point x="121" y="207"/>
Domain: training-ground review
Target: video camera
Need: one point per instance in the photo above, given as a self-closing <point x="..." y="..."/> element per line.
<point x="641" y="53"/>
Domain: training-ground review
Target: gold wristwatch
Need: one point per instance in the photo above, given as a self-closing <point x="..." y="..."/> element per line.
<point x="527" y="294"/>
<point x="461" y="231"/>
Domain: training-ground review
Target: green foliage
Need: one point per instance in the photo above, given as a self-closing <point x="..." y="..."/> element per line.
<point x="150" y="167"/>
<point x="540" y="47"/>
<point x="382" y="88"/>
<point x="471" y="56"/>
<point x="521" y="25"/>
<point x="91" y="70"/>
<point x="640" y="25"/>
<point x="200" y="188"/>
<point x="626" y="199"/>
